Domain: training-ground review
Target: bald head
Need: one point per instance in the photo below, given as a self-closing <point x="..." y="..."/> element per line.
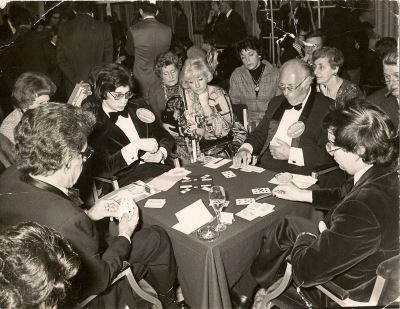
<point x="295" y="80"/>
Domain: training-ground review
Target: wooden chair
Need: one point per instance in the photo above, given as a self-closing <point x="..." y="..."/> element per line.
<point x="142" y="289"/>
<point x="385" y="292"/>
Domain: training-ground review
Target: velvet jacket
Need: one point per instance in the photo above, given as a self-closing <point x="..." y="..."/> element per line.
<point x="21" y="201"/>
<point x="388" y="104"/>
<point x="108" y="140"/>
<point x="312" y="141"/>
<point x="362" y="231"/>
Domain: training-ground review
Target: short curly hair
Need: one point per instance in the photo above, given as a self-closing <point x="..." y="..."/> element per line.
<point x="165" y="59"/>
<point x="362" y="125"/>
<point x="109" y="77"/>
<point x="195" y="67"/>
<point x="36" y="263"/>
<point x="334" y="55"/>
<point x="49" y="136"/>
<point x="29" y="86"/>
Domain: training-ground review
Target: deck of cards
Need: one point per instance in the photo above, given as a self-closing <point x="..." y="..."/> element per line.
<point x="155" y="203"/>
<point x="255" y="210"/>
<point x="248" y="168"/>
<point x="228" y="174"/>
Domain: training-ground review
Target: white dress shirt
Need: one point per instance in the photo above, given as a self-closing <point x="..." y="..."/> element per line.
<point x="361" y="172"/>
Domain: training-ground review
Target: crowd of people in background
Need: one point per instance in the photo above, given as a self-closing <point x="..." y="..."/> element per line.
<point x="152" y="91"/>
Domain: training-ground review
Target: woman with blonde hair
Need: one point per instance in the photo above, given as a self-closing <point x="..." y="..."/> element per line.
<point x="209" y="113"/>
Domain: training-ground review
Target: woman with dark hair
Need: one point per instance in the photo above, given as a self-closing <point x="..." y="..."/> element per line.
<point x="36" y="266"/>
<point x="254" y="83"/>
<point x="30" y="90"/>
<point x="327" y="62"/>
<point x="360" y="229"/>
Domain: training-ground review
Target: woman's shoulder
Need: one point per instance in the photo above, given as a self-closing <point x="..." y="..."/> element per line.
<point x="216" y="90"/>
<point x="270" y="68"/>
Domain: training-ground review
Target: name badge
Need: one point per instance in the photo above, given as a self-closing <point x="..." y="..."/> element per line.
<point x="145" y="115"/>
<point x="296" y="129"/>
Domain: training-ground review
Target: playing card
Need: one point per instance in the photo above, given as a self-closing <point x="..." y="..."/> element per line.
<point x="252" y="168"/>
<point x="244" y="201"/>
<point x="260" y="190"/>
<point x="228" y="174"/>
<point x="155" y="203"/>
<point x="261" y="209"/>
<point x="248" y="214"/>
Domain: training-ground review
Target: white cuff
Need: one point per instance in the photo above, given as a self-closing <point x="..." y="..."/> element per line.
<point x="296" y="156"/>
<point x="246" y="146"/>
<point x="130" y="153"/>
<point x="126" y="236"/>
<point x="164" y="152"/>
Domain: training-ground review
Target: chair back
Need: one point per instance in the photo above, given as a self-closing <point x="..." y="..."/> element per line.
<point x="240" y="111"/>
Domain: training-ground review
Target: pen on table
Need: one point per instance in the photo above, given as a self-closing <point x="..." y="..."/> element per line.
<point x="263" y="196"/>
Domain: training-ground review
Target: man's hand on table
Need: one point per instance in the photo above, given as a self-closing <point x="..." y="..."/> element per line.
<point x="292" y="193"/>
<point x="279" y="150"/>
<point x="147" y="144"/>
<point x="242" y="158"/>
<point x="103" y="209"/>
<point x="156" y="157"/>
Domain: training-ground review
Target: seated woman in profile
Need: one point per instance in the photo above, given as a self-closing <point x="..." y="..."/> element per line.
<point x="327" y="62"/>
<point x="360" y="229"/>
<point x="209" y="113"/>
<point x="30" y="90"/>
<point x="36" y="264"/>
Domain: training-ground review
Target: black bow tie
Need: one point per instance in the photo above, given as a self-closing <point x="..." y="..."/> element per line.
<point x="296" y="107"/>
<point x="114" y="115"/>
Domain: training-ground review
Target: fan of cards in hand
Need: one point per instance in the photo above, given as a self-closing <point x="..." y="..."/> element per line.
<point x="126" y="206"/>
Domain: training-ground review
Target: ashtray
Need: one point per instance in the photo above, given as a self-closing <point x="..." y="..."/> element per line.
<point x="207" y="233"/>
<point x="284" y="177"/>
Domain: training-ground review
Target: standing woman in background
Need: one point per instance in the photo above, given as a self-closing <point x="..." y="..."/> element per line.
<point x="254" y="83"/>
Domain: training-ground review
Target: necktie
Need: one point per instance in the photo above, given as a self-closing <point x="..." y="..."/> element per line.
<point x="296" y="107"/>
<point x="114" y="115"/>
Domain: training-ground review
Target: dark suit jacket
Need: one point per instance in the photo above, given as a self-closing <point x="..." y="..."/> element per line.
<point x="109" y="139"/>
<point x="25" y="202"/>
<point x="312" y="141"/>
<point x="146" y="40"/>
<point x="82" y="44"/>
<point x="363" y="230"/>
<point x="388" y="104"/>
<point x="235" y="28"/>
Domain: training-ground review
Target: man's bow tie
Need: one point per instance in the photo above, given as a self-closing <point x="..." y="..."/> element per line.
<point x="114" y="115"/>
<point x="296" y="107"/>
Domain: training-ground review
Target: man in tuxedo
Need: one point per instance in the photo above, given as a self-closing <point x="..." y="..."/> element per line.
<point x="146" y="40"/>
<point x="51" y="146"/>
<point x="129" y="142"/>
<point x="290" y="137"/>
<point x="82" y="44"/>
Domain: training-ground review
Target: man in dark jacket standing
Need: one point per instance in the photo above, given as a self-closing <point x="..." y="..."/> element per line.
<point x="82" y="44"/>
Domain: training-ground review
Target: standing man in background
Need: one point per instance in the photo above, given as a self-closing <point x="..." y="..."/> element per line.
<point x="147" y="39"/>
<point x="82" y="44"/>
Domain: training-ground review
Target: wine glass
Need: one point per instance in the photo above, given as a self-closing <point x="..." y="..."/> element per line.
<point x="217" y="201"/>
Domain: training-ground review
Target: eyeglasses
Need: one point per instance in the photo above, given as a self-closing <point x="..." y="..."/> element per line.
<point x="390" y="78"/>
<point x="330" y="148"/>
<point x="119" y="95"/>
<point x="86" y="154"/>
<point x="291" y="88"/>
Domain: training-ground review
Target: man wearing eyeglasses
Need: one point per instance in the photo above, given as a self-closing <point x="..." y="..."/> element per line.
<point x="388" y="98"/>
<point x="51" y="147"/>
<point x="290" y="138"/>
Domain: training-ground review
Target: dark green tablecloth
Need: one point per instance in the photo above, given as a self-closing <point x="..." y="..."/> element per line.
<point x="208" y="269"/>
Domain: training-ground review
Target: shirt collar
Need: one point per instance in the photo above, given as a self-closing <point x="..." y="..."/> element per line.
<point x="228" y="13"/>
<point x="361" y="172"/>
<point x="62" y="189"/>
<point x="148" y="17"/>
<point x="13" y="30"/>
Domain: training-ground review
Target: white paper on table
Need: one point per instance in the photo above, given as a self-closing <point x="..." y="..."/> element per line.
<point x="227" y="217"/>
<point x="302" y="181"/>
<point x="192" y="217"/>
<point x="214" y="164"/>
<point x="167" y="180"/>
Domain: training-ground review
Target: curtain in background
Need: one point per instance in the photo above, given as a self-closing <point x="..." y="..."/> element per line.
<point x="387" y="17"/>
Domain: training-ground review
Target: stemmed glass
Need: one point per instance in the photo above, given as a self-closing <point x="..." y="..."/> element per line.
<point x="217" y="201"/>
